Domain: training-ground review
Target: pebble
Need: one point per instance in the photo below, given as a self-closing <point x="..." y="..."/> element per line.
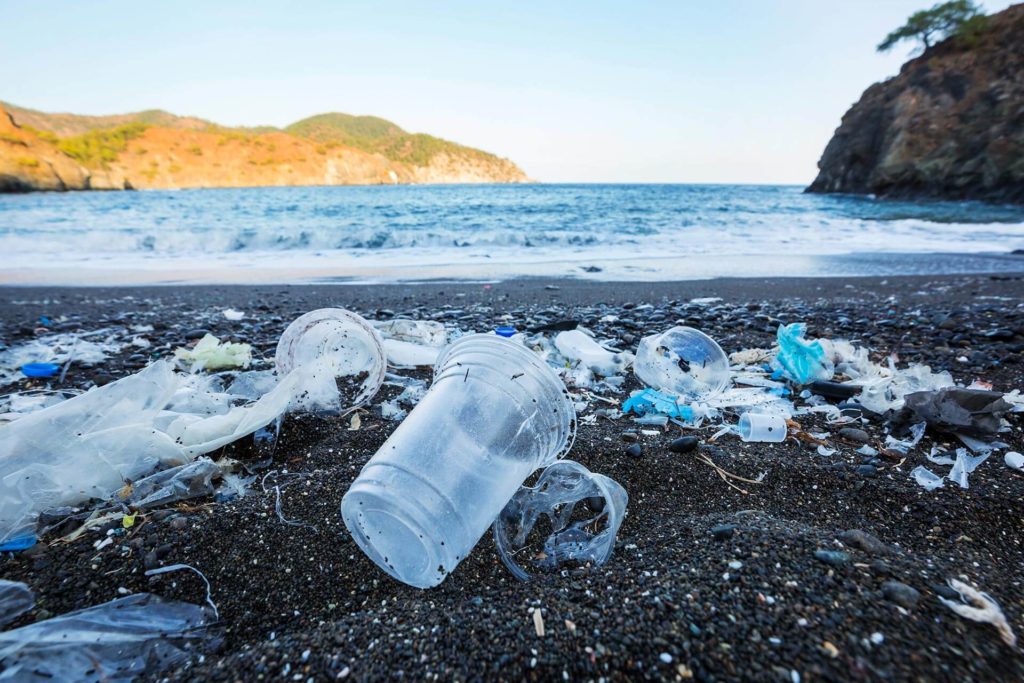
<point x="665" y="657"/>
<point x="197" y="333"/>
<point x="854" y="434"/>
<point x="634" y="451"/>
<point x="684" y="444"/>
<point x="867" y="470"/>
<point x="179" y="523"/>
<point x="901" y="593"/>
<point x="723" y="531"/>
<point x="836" y="558"/>
<point x="867" y="542"/>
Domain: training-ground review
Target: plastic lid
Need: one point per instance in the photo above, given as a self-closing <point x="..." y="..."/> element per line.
<point x="505" y="331"/>
<point x="40" y="369"/>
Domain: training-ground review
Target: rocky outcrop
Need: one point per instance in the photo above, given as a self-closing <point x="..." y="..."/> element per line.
<point x="155" y="150"/>
<point x="29" y="163"/>
<point x="950" y="125"/>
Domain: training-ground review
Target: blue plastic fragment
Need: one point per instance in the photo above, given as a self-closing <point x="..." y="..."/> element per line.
<point x="17" y="543"/>
<point x="40" y="369"/>
<point x="651" y="402"/>
<point x="799" y="360"/>
<point x="505" y="331"/>
<point x="44" y="321"/>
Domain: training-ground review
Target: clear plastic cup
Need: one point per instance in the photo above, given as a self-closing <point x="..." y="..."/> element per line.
<point x="341" y="344"/>
<point x="494" y="414"/>
<point x="682" y="361"/>
<point x="762" y="428"/>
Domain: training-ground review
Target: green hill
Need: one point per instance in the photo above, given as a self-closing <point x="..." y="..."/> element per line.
<point x="379" y="136"/>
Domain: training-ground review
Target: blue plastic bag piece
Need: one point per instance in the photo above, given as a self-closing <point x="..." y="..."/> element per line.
<point x="651" y="402"/>
<point x="44" y="321"/>
<point x="40" y="369"/>
<point x="799" y="360"/>
<point x="23" y="542"/>
<point x="505" y="331"/>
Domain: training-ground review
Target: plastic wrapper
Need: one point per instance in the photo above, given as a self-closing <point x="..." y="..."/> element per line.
<point x="974" y="412"/>
<point x="115" y="642"/>
<point x="178" y="483"/>
<point x="15" y="599"/>
<point x="211" y="353"/>
<point x="801" y="361"/>
<point x="584" y="509"/>
<point x="577" y="346"/>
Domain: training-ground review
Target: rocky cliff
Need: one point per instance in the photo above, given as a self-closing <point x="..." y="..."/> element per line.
<point x="950" y="125"/>
<point x="155" y="149"/>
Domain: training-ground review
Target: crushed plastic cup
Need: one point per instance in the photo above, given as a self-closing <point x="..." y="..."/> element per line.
<point x="759" y="427"/>
<point x="40" y="369"/>
<point x="682" y="361"/>
<point x="494" y="413"/>
<point x="336" y="344"/>
<point x="584" y="511"/>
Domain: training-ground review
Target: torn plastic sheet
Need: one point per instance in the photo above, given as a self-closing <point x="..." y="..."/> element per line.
<point x="926" y="478"/>
<point x="973" y="412"/>
<point x="178" y="483"/>
<point x="15" y="599"/>
<point x="801" y="361"/>
<point x="564" y="488"/>
<point x="964" y="465"/>
<point x="979" y="446"/>
<point x="114" y="642"/>
<point x="420" y="332"/>
<point x="651" y="402"/>
<point x="576" y="345"/>
<point x="90" y="445"/>
<point x="682" y="361"/>
<point x="21" y="403"/>
<point x="904" y="445"/>
<point x="210" y="353"/>
<point x="980" y="607"/>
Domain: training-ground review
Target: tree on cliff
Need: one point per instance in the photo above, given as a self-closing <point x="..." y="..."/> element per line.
<point x="956" y="17"/>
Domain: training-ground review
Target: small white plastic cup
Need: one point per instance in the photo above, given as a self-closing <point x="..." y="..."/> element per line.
<point x="762" y="428"/>
<point x="494" y="414"/>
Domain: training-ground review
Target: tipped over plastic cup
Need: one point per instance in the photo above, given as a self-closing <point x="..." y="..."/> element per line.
<point x="682" y="361"/>
<point x="758" y="427"/>
<point x="494" y="413"/>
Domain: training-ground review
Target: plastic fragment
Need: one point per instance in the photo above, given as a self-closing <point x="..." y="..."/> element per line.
<point x="58" y="349"/>
<point x="973" y="412"/>
<point x="801" y="361"/>
<point x="926" y="478"/>
<point x="179" y="567"/>
<point x="682" y="361"/>
<point x="588" y="536"/>
<point x="980" y="607"/>
<point x="505" y="331"/>
<point x="177" y="483"/>
<point x="233" y="315"/>
<point x="1014" y="460"/>
<point x="210" y="353"/>
<point x="904" y="446"/>
<point x="40" y="369"/>
<point x="115" y="642"/>
<point x="15" y="599"/>
<point x="651" y="402"/>
<point x="576" y="345"/>
<point x="964" y="465"/>
<point x="412" y="343"/>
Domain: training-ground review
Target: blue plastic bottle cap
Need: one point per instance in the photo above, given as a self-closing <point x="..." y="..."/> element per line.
<point x="505" y="331"/>
<point x="40" y="369"/>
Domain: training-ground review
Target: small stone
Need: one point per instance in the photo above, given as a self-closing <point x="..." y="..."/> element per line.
<point x="634" y="451"/>
<point x="854" y="434"/>
<point x="684" y="444"/>
<point x="836" y="558"/>
<point x="867" y="470"/>
<point x="179" y="523"/>
<point x="865" y="541"/>
<point x="723" y="531"/>
<point x="197" y="333"/>
<point x="150" y="560"/>
<point x="630" y="436"/>
<point x="944" y="591"/>
<point x="901" y="593"/>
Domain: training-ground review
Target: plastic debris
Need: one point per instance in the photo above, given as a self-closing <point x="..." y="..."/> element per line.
<point x="838" y="391"/>
<point x="233" y="315"/>
<point x="412" y="343"/>
<point x="40" y="369"/>
<point x="505" y="331"/>
<point x="20" y="404"/>
<point x="89" y="348"/>
<point x="114" y="642"/>
<point x="20" y="542"/>
<point x="178" y="483"/>
<point x="682" y="361"/>
<point x="964" y="465"/>
<point x="210" y="353"/>
<point x="1014" y="460"/>
<point x="15" y="599"/>
<point x="651" y="402"/>
<point x="342" y="356"/>
<point x="759" y="427"/>
<point x="980" y="607"/>
<point x="926" y="478"/>
<point x="494" y="414"/>
<point x="576" y="345"/>
<point x="179" y="567"/>
<point x="584" y="509"/>
<point x="904" y="445"/>
<point x="974" y="412"/>
<point x="801" y="361"/>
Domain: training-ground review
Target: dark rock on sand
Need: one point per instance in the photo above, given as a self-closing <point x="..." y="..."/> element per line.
<point x="901" y="593"/>
<point x="854" y="434"/>
<point x="869" y="543"/>
<point x="684" y="444"/>
<point x="949" y="125"/>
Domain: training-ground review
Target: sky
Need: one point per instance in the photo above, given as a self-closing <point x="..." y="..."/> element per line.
<point x="726" y="91"/>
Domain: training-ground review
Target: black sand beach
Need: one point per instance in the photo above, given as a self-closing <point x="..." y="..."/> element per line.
<point x="303" y="603"/>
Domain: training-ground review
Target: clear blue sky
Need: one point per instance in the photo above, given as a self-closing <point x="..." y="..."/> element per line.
<point x="714" y="91"/>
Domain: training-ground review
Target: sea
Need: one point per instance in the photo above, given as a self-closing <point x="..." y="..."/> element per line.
<point x="491" y="233"/>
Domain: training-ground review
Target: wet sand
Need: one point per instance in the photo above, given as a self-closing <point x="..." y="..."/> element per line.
<point x="302" y="603"/>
